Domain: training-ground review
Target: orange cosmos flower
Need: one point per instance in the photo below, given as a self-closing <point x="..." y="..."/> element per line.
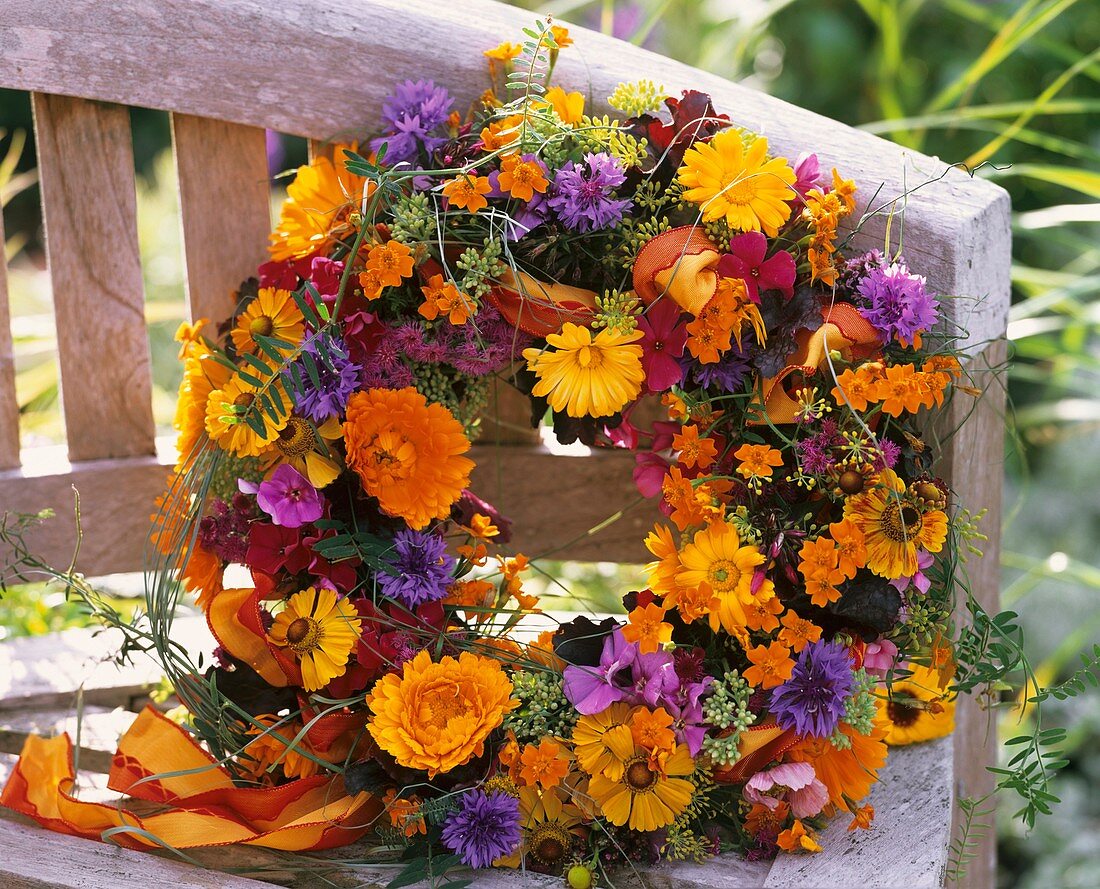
<point x="561" y="36"/>
<point x="467" y="192"/>
<point x="443" y="298"/>
<point x="761" y="614"/>
<point x="798" y="632"/>
<point x="544" y="765"/>
<point x="771" y="665"/>
<point x="521" y="177"/>
<point x="435" y="717"/>
<point x="694" y="451"/>
<point x="652" y="730"/>
<point x="647" y="627"/>
<point x="850" y="547"/>
<point x="797" y="839"/>
<point x="503" y="52"/>
<point x="569" y="107"/>
<point x="863" y="816"/>
<point x="845" y="190"/>
<point x="899" y="391"/>
<point x="391" y="262"/>
<point x="857" y="386"/>
<point x="407" y="453"/>
<point x="757" y="461"/>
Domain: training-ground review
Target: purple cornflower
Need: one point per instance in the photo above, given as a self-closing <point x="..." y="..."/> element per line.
<point x="812" y="700"/>
<point x="727" y="374"/>
<point x="410" y="114"/>
<point x="896" y="302"/>
<point x="483" y="828"/>
<point x="288" y="497"/>
<point x="582" y="196"/>
<point x="422" y="568"/>
<point x="324" y="394"/>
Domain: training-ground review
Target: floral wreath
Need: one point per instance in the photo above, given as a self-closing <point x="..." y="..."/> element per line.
<point x="373" y="675"/>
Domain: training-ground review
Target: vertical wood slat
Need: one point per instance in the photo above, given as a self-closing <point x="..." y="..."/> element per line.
<point x="9" y="406"/>
<point x="86" y="167"/>
<point x="321" y="149"/>
<point x="224" y="206"/>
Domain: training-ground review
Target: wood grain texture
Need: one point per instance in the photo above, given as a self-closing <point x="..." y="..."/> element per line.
<point x="224" y="207"/>
<point x="99" y="730"/>
<point x="9" y="406"/>
<point x="86" y="167"/>
<point x="975" y="469"/>
<point x="180" y="54"/>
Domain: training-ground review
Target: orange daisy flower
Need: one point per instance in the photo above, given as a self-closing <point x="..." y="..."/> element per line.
<point x="647" y="627"/>
<point x="391" y="262"/>
<point x="694" y="451"/>
<point x="851" y="547"/>
<point x="407" y="453"/>
<point x="544" y="765"/>
<point x="771" y="665"/>
<point x="521" y="178"/>
<point x="652" y="730"/>
<point x="467" y="192"/>
<point x="443" y="298"/>
<point x="798" y="632"/>
<point x="757" y="462"/>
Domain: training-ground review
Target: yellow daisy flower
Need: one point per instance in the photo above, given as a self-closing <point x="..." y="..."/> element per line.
<point x="586" y="375"/>
<point x="273" y="313"/>
<point x="321" y="631"/>
<point x="917" y="710"/>
<point x="740" y="185"/>
<point x="225" y="418"/>
<point x="716" y="558"/>
<point x="650" y="794"/>
<point x="602" y="743"/>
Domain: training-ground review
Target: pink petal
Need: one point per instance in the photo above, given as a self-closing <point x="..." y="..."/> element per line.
<point x="809" y="800"/>
<point x="794" y="775"/>
<point x="662" y="371"/>
<point x="751" y="247"/>
<point x="778" y="273"/>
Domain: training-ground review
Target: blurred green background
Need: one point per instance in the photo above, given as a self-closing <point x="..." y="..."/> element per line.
<point x="1015" y="82"/>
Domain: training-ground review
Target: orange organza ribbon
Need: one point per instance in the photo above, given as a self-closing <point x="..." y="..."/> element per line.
<point x="681" y="264"/>
<point x="843" y="330"/>
<point x="206" y="808"/>
<point x="540" y="307"/>
<point x="759" y="745"/>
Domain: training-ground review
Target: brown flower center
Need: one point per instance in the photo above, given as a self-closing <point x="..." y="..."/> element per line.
<point x="261" y="326"/>
<point x="903" y="715"/>
<point x="639" y="776"/>
<point x="549" y="842"/>
<point x="296" y="438"/>
<point x="900" y="522"/>
<point x="244" y="399"/>
<point x="303" y="634"/>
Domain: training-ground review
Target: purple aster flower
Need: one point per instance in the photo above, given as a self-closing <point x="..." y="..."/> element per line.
<point x="896" y="302"/>
<point x="582" y="193"/>
<point x="483" y="828"/>
<point x="812" y="700"/>
<point x="593" y="689"/>
<point x="410" y="115"/>
<point x="422" y="568"/>
<point x="337" y="376"/>
<point x="288" y="498"/>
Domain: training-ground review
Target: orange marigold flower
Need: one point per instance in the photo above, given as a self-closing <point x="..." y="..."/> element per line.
<point x="503" y="52"/>
<point x="652" y="730"/>
<point x="771" y="665"/>
<point x="694" y="451"/>
<point x="763" y="819"/>
<point x="707" y="341"/>
<point x="437" y="716"/>
<point x="391" y="261"/>
<point x="482" y="527"/>
<point x="797" y="839"/>
<point x="821" y="267"/>
<point x="679" y="493"/>
<point x="521" y="178"/>
<point x="501" y="133"/>
<point x="407" y="453"/>
<point x="544" y="765"/>
<point x="819" y="558"/>
<point x="821" y="591"/>
<point x="370" y="282"/>
<point x="561" y="36"/>
<point x="845" y="190"/>
<point x="798" y="632"/>
<point x="850" y="547"/>
<point x="569" y="107"/>
<point x="646" y="626"/>
<point x="467" y="192"/>
<point x="757" y="461"/>
<point x="443" y="298"/>
<point x="475" y="596"/>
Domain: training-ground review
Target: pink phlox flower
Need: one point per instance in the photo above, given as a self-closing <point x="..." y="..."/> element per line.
<point x="746" y="261"/>
<point x="289" y="498"/>
<point x="663" y="339"/>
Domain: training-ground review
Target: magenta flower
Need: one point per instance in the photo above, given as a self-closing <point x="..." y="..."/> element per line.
<point x="663" y="341"/>
<point x="649" y="473"/>
<point x="920" y="580"/>
<point x="807" y="172"/>
<point x="746" y="261"/>
<point x="593" y="689"/>
<point x="289" y="498"/>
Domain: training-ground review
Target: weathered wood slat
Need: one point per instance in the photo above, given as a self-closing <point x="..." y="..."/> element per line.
<point x="179" y="55"/>
<point x="99" y="730"/>
<point x="86" y="166"/>
<point x="225" y="207"/>
<point x="45" y="672"/>
<point x="520" y="481"/>
<point x="9" y="406"/>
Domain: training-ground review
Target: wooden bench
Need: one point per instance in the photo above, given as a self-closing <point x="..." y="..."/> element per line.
<point x="227" y="69"/>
